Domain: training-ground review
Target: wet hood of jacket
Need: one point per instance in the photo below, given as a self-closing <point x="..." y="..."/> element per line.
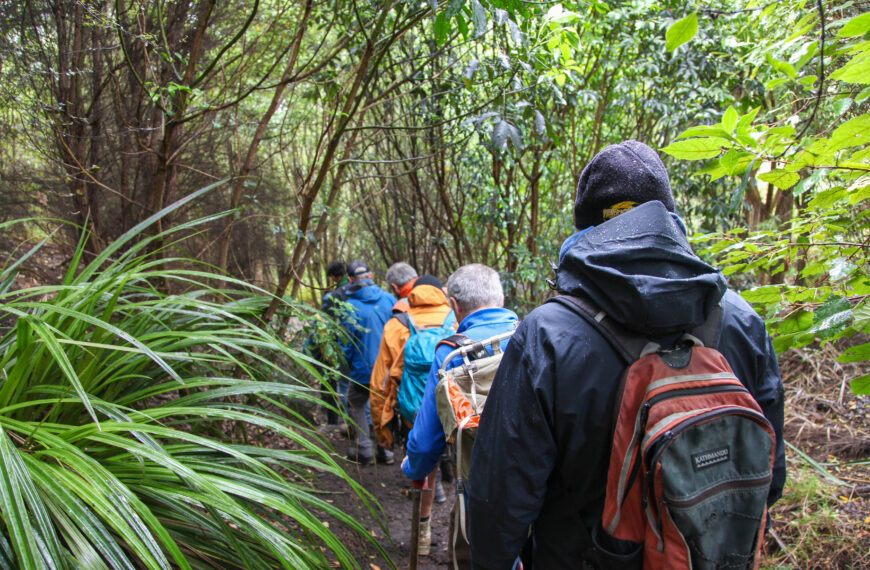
<point x="639" y="268"/>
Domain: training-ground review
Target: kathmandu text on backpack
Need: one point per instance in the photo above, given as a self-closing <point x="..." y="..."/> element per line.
<point x="692" y="455"/>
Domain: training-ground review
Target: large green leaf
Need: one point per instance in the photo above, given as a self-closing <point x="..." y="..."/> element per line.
<point x="697" y="148"/>
<point x="441" y="28"/>
<point x="861" y="385"/>
<point x="857" y="70"/>
<point x="858" y="353"/>
<point x="832" y="317"/>
<point x="780" y="178"/>
<point x="681" y="31"/>
<point x="853" y="132"/>
<point x="857" y="26"/>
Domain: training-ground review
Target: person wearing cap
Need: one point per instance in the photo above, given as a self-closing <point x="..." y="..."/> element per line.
<point x="541" y="456"/>
<point x="336" y="273"/>
<point x="371" y="307"/>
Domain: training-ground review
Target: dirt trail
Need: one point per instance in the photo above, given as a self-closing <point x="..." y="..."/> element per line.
<point x="391" y="489"/>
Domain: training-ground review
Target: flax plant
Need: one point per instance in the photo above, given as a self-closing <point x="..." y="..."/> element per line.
<point x="116" y="399"/>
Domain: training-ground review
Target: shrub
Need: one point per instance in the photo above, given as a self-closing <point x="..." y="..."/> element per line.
<point x="115" y="402"/>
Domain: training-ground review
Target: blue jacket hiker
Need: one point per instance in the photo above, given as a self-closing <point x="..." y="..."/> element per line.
<point x="476" y="296"/>
<point x="372" y="308"/>
<point x="426" y="441"/>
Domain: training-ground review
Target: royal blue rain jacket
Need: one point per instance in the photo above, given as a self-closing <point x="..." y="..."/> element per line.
<point x="426" y="441"/>
<point x="541" y="454"/>
<point x="373" y="307"/>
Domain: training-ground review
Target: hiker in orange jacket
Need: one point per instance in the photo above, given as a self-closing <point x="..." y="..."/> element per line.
<point x="427" y="305"/>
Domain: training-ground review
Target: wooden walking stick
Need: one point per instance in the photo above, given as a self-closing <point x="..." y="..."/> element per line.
<point x="417" y="491"/>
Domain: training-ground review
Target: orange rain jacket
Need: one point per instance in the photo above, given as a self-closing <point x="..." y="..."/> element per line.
<point x="427" y="305"/>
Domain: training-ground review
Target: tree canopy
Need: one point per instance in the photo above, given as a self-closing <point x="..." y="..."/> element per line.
<point x="442" y="133"/>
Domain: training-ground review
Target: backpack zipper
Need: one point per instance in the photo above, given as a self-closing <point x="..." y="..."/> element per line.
<point x="644" y="416"/>
<point x="697" y="390"/>
<point x="743" y="484"/>
<point x="649" y="493"/>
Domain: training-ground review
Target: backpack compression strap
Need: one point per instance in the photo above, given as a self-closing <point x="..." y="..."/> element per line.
<point x="460" y="340"/>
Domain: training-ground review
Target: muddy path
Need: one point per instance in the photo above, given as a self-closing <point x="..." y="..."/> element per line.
<point x="391" y="489"/>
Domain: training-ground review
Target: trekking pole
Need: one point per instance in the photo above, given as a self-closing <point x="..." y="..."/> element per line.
<point x="417" y="495"/>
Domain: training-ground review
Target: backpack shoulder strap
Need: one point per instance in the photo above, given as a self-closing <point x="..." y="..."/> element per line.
<point x="455" y="340"/>
<point x="406" y="320"/>
<point x="629" y="345"/>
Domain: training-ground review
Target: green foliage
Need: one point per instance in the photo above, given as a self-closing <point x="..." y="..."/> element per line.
<point x="118" y="406"/>
<point x="814" y="256"/>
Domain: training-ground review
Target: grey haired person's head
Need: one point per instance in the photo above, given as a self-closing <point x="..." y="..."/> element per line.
<point x="475" y="286"/>
<point x="400" y="273"/>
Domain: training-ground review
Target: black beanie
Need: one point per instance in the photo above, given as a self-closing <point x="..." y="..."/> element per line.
<point x="428" y="280"/>
<point x="618" y="178"/>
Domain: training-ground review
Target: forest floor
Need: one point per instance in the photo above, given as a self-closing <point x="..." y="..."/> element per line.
<point x="822" y="521"/>
<point x="392" y="526"/>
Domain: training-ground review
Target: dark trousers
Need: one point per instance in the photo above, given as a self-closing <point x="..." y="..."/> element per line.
<point x="357" y="399"/>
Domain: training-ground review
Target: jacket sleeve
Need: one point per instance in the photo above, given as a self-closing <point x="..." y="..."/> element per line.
<point x="514" y="454"/>
<point x="379" y="395"/>
<point x="749" y="350"/>
<point x="426" y="441"/>
<point x="771" y="400"/>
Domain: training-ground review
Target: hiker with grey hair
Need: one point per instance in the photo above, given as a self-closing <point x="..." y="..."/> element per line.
<point x="476" y="295"/>
<point x="540" y="463"/>
<point x="401" y="278"/>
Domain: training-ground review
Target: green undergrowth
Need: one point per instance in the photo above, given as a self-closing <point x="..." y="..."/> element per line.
<point x="818" y="524"/>
<point x="129" y="393"/>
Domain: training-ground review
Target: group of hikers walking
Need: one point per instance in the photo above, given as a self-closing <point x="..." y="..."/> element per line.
<point x="632" y="421"/>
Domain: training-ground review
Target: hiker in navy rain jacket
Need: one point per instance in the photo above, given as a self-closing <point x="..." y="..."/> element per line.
<point x="372" y="308"/>
<point x="476" y="295"/>
<point x="541" y="455"/>
<point x="336" y="273"/>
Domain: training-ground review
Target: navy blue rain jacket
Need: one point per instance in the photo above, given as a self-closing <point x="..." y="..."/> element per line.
<point x="543" y="446"/>
<point x="373" y="307"/>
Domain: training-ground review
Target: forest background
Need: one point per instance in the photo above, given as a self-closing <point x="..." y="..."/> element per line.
<point x="219" y="155"/>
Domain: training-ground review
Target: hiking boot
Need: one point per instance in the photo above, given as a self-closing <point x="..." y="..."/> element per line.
<point x="385" y="456"/>
<point x="361" y="458"/>
<point x="440" y="495"/>
<point x="425" y="538"/>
